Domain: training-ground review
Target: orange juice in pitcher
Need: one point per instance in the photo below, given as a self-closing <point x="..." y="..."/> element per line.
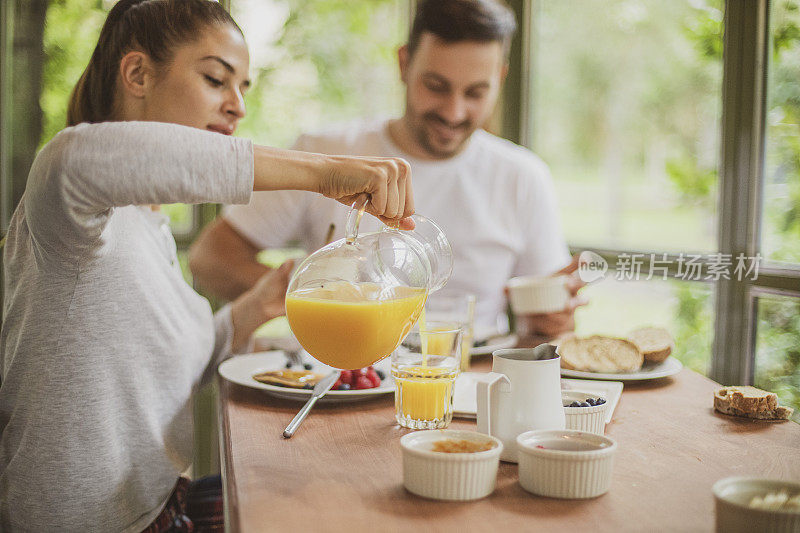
<point x="352" y="325"/>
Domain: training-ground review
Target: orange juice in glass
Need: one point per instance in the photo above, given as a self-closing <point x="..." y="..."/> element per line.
<point x="424" y="371"/>
<point x="352" y="325"/>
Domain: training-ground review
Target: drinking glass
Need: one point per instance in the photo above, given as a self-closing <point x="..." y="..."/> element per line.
<point x="459" y="308"/>
<point x="424" y="370"/>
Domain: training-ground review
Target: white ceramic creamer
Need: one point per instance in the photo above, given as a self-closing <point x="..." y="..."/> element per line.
<point x="521" y="393"/>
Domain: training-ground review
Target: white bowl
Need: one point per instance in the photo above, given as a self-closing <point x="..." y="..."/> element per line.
<point x="449" y="476"/>
<point x="537" y="294"/>
<point x="591" y="419"/>
<point x="565" y="463"/>
<point x="734" y="514"/>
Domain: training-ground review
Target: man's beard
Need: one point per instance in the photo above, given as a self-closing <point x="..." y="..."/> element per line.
<point x="418" y="127"/>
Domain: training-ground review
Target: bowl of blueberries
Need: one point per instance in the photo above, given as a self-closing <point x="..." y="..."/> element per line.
<point x="584" y="411"/>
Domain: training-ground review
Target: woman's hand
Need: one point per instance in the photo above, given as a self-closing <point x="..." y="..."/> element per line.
<point x="387" y="181"/>
<point x="265" y="301"/>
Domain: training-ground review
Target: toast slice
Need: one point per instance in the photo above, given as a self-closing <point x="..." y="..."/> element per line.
<point x="600" y="354"/>
<point x="655" y="343"/>
<point x="296" y="379"/>
<point x="750" y="402"/>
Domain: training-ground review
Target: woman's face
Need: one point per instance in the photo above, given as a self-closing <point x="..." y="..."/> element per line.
<point x="204" y="84"/>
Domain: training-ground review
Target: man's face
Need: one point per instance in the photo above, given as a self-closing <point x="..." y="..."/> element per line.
<point x="451" y="89"/>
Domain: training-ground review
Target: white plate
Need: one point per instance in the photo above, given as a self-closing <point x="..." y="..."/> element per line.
<point x="240" y="370"/>
<point x="465" y="404"/>
<point x="661" y="370"/>
<point x="495" y="343"/>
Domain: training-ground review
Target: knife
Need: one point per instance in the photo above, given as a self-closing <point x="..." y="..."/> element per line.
<point x="320" y="389"/>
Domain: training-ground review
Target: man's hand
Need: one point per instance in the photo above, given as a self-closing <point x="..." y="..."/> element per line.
<point x="270" y="291"/>
<point x="265" y="301"/>
<point x="554" y="324"/>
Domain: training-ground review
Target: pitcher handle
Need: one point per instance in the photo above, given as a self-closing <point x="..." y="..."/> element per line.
<point x="354" y="217"/>
<point x="487" y="389"/>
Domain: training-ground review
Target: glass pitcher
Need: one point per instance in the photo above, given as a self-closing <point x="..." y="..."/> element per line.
<point x="352" y="302"/>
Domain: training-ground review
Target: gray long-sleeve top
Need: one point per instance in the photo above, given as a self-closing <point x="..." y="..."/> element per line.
<point x="103" y="343"/>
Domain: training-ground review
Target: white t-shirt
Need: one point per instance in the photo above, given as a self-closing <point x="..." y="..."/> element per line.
<point x="494" y="200"/>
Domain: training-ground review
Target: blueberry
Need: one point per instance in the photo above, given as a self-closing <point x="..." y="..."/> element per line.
<point x="307" y="366"/>
<point x="381" y="374"/>
<point x="288" y="364"/>
<point x="574" y="404"/>
<point x="590" y="401"/>
<point x="585" y="404"/>
<point x="344" y="386"/>
<point x="600" y="401"/>
<point x="308" y="386"/>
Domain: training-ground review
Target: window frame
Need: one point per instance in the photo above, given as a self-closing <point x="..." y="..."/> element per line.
<point x="6" y="47"/>
<point x="746" y="43"/>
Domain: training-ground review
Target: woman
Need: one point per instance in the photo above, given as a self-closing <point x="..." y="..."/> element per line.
<point x="103" y="342"/>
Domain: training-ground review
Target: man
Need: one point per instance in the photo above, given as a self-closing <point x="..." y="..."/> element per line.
<point x="493" y="199"/>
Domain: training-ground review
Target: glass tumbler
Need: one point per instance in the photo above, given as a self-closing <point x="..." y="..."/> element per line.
<point x="424" y="369"/>
<point x="457" y="307"/>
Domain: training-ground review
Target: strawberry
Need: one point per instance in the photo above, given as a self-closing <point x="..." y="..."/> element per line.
<point x="336" y="385"/>
<point x="346" y="376"/>
<point x="363" y="382"/>
<point x="373" y="377"/>
<point x="357" y="373"/>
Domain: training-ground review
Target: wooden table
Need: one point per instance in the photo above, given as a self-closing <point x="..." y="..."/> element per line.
<point x="342" y="471"/>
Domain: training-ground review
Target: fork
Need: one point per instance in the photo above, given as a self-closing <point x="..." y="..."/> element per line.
<point x="296" y="358"/>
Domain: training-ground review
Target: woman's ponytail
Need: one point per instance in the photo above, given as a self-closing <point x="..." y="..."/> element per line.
<point x="155" y="27"/>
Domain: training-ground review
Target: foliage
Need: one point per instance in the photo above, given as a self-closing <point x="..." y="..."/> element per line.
<point x="695" y="185"/>
<point x="329" y="61"/>
<point x="628" y="97"/>
<point x="692" y="325"/>
<point x="71" y="31"/>
<point x="778" y="340"/>
<point x="782" y="192"/>
<point x="778" y="359"/>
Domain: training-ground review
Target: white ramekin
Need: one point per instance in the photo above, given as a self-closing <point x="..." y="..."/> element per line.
<point x="591" y="419"/>
<point x="449" y="476"/>
<point x="734" y="514"/>
<point x="565" y="463"/>
<point x="537" y="294"/>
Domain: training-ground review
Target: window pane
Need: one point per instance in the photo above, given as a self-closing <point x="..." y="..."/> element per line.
<point x="70" y="35"/>
<point x="317" y="62"/>
<point x="181" y="218"/>
<point x="626" y="111"/>
<point x="777" y="365"/>
<point x="684" y="308"/>
<point x="183" y="260"/>
<point x="780" y="229"/>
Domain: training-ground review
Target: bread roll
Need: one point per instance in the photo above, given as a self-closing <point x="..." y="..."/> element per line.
<point x="655" y="343"/>
<point x="600" y="354"/>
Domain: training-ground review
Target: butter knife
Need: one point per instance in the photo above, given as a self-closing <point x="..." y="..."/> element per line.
<point x="320" y="389"/>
